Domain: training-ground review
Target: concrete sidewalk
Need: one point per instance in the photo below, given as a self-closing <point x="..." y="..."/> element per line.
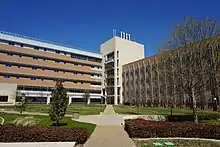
<point x="109" y="136"/>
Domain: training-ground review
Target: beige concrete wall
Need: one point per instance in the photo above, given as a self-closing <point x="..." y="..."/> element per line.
<point x="129" y="51"/>
<point x="8" y="90"/>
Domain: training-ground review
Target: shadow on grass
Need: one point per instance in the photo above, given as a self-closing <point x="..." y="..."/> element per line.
<point x="59" y="125"/>
<point x="133" y="113"/>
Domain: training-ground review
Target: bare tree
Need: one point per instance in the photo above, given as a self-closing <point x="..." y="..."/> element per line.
<point x="188" y="38"/>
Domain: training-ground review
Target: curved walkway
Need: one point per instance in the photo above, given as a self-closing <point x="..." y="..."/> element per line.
<point x="109" y="131"/>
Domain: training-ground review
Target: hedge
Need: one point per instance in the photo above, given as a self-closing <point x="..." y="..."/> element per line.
<point x="13" y="133"/>
<point x="182" y="118"/>
<point x="140" y="128"/>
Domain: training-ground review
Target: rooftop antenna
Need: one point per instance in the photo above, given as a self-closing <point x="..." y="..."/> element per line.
<point x="124" y="35"/>
<point x="114" y="32"/>
<point x="129" y="36"/>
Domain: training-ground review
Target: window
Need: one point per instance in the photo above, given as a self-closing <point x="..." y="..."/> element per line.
<point x="33" y="78"/>
<point x="3" y="98"/>
<point x="117" y="81"/>
<point x="45" y="50"/>
<point x="43" y="69"/>
<point x="17" y="77"/>
<point x="117" y="63"/>
<point x="9" y="54"/>
<point x="20" y="56"/>
<point x="64" y="62"/>
<point x="42" y="79"/>
<point x="6" y="76"/>
<point x="117" y="54"/>
<point x="36" y="48"/>
<point x="8" y="65"/>
<point x="11" y="43"/>
<point x="19" y="66"/>
<point x="117" y="72"/>
<point x="81" y="82"/>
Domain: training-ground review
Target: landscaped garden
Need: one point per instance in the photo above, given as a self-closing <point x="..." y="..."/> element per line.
<point x="26" y="128"/>
<point x="140" y="128"/>
<point x="53" y="127"/>
<point x="83" y="109"/>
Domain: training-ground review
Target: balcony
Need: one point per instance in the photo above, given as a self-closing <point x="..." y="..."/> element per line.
<point x="109" y="61"/>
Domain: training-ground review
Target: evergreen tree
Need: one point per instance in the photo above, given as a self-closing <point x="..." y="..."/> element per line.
<point x="59" y="102"/>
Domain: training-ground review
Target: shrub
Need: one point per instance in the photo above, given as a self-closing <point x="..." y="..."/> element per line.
<point x="26" y="121"/>
<point x="140" y="128"/>
<point x="182" y="118"/>
<point x="13" y="133"/>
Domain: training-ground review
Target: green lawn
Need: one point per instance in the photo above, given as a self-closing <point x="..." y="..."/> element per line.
<point x="45" y="121"/>
<point x="179" y="143"/>
<point x="122" y="109"/>
<point x="82" y="108"/>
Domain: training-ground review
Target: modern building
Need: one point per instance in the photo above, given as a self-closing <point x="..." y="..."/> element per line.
<point x="116" y="52"/>
<point x="32" y="66"/>
<point x="153" y="80"/>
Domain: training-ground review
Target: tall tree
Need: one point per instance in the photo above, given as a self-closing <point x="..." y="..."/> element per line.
<point x="188" y="38"/>
<point x="59" y="103"/>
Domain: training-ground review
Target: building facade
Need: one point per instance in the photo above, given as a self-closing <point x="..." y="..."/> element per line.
<point x="115" y="53"/>
<point x="158" y="80"/>
<point x="32" y="66"/>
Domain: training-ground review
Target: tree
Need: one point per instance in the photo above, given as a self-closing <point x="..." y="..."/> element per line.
<point x="86" y="97"/>
<point x="59" y="103"/>
<point x="187" y="42"/>
<point x="22" y="105"/>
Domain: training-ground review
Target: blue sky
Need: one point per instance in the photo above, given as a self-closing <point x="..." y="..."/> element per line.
<point x="88" y="23"/>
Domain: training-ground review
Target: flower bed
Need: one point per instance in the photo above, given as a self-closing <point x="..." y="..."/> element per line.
<point x="140" y="128"/>
<point x="13" y="133"/>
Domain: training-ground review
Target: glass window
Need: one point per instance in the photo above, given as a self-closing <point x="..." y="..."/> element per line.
<point x="6" y="76"/>
<point x="117" y="54"/>
<point x="8" y="65"/>
<point x="33" y="78"/>
<point x="9" y="54"/>
<point x="3" y="98"/>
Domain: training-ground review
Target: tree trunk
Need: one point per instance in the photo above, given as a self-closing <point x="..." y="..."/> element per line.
<point x="57" y="123"/>
<point x="194" y="105"/>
